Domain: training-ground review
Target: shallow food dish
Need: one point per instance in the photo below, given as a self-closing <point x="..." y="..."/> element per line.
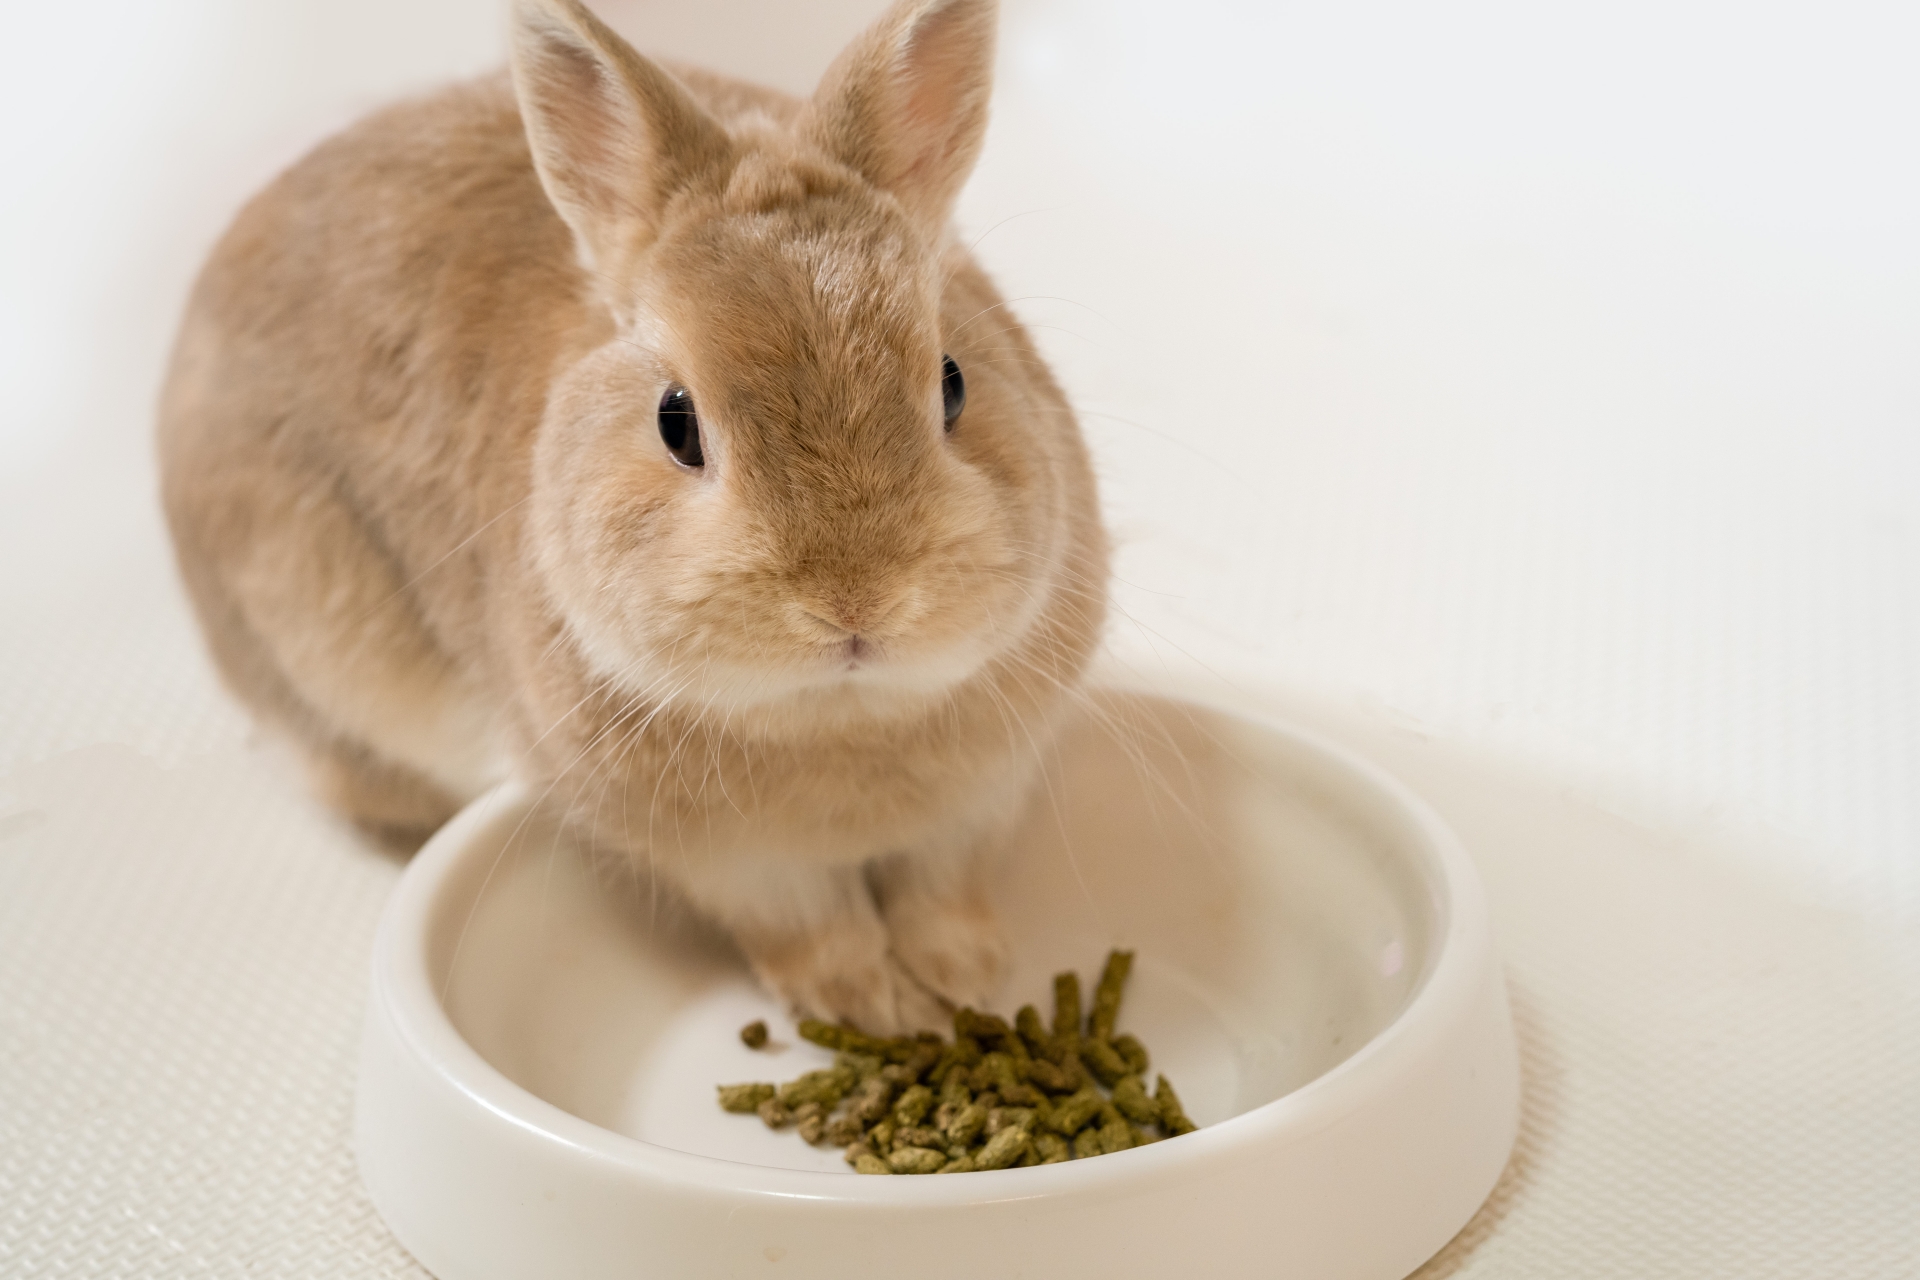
<point x="1314" y="972"/>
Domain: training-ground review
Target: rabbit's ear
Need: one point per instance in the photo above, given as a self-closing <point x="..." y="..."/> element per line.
<point x="906" y="103"/>
<point x="613" y="135"/>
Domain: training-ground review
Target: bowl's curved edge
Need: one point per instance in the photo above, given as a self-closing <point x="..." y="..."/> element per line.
<point x="482" y="1180"/>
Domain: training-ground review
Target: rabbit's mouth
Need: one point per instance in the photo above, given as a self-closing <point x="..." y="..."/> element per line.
<point x="876" y="677"/>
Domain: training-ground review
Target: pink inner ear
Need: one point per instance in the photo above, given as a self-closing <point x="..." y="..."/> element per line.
<point x="933" y="67"/>
<point x="944" y="82"/>
<point x="581" y="107"/>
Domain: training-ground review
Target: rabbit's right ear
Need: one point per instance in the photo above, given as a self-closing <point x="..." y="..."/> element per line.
<point x="613" y="135"/>
<point x="906" y="103"/>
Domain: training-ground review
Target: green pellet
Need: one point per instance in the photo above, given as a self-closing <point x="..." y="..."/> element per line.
<point x="754" y="1034"/>
<point x="880" y="1137"/>
<point x="1115" y="1133"/>
<point x="813" y="1127"/>
<point x="775" y="1113"/>
<point x="863" y="1065"/>
<point x="1021" y="1095"/>
<point x="1141" y="1137"/>
<point x="1104" y="1061"/>
<point x="1066" y="1006"/>
<point x="920" y="1136"/>
<point x="830" y="1035"/>
<point x="912" y="1106"/>
<point x="1071" y="1072"/>
<point x="1106" y="996"/>
<point x="1072" y="1115"/>
<point x="855" y="1150"/>
<point x="1130" y="1097"/>
<point x="824" y="1034"/>
<point x="920" y="1057"/>
<point x="870" y="1163"/>
<point x="1173" y="1117"/>
<point x="955" y="1090"/>
<point x="967" y="1125"/>
<point x="957" y="1164"/>
<point x="825" y="1087"/>
<point x="1051" y="1077"/>
<point x="871" y="1100"/>
<point x="1001" y="1117"/>
<point x="995" y="1071"/>
<point x="967" y="1051"/>
<point x="1052" y="1147"/>
<point x="1086" y="1145"/>
<point x="1032" y="1030"/>
<point x="744" y="1098"/>
<point x="843" y="1129"/>
<point x="942" y="1069"/>
<point x="989" y="1029"/>
<point x="1003" y="1148"/>
<point x="916" y="1160"/>
<point x="1133" y="1052"/>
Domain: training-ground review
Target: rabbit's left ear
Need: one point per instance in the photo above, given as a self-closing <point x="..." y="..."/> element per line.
<point x="906" y="103"/>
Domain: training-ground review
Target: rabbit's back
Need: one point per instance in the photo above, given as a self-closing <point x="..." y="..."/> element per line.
<point x="352" y="396"/>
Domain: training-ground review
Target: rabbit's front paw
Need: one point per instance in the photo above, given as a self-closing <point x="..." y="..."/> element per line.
<point x="951" y="944"/>
<point x="846" y="972"/>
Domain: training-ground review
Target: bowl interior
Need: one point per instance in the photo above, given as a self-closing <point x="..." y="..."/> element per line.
<point x="1283" y="907"/>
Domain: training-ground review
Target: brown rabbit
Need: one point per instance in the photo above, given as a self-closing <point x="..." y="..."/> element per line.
<point x="648" y="435"/>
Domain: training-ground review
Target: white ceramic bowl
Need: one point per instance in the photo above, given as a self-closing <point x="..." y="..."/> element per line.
<point x="1314" y="973"/>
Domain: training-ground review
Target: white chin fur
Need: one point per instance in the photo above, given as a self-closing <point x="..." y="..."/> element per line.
<point x="877" y="686"/>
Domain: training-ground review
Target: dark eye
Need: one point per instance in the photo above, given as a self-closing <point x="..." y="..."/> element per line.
<point x="953" y="389"/>
<point x="680" y="428"/>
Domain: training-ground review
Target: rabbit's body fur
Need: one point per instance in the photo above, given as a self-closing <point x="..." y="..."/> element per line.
<point x="421" y="506"/>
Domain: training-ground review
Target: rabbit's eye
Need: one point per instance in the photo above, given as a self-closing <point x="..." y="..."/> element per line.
<point x="953" y="389"/>
<point x="680" y="428"/>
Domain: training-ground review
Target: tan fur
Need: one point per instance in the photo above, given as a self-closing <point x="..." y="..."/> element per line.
<point x="419" y="496"/>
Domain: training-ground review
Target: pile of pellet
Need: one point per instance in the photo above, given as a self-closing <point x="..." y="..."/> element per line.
<point x="995" y="1097"/>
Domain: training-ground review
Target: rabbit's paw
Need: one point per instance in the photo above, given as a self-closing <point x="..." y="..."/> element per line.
<point x="953" y="945"/>
<point x="846" y="972"/>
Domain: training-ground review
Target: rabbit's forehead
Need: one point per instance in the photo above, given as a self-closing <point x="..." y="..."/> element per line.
<point x="773" y="302"/>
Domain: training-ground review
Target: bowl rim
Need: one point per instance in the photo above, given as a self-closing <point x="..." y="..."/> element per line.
<point x="403" y="996"/>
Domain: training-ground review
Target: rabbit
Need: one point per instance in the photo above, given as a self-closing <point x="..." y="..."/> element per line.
<point x="651" y="437"/>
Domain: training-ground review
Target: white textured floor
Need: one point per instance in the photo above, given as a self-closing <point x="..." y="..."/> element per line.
<point x="1524" y="394"/>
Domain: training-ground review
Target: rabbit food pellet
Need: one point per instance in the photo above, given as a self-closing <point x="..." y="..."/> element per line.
<point x="995" y="1097"/>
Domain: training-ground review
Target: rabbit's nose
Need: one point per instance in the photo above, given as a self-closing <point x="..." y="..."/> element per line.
<point x="857" y="613"/>
<point x="850" y="616"/>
